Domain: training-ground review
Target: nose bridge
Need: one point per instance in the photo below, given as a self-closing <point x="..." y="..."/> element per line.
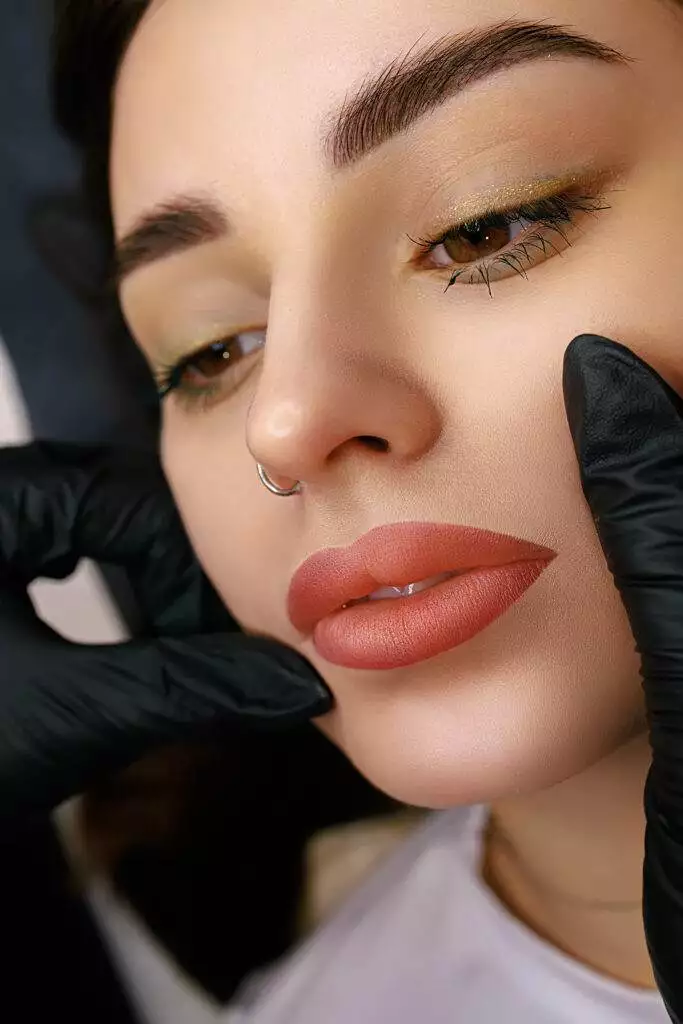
<point x="334" y="382"/>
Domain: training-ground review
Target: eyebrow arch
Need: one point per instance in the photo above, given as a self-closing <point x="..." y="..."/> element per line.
<point x="401" y="94"/>
<point x="412" y="86"/>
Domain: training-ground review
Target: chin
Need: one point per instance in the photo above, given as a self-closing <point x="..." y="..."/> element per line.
<point x="516" y="710"/>
<point x="434" y="766"/>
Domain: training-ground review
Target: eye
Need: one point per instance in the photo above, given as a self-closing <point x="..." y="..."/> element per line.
<point x="501" y="243"/>
<point x="481" y="238"/>
<point x="213" y="371"/>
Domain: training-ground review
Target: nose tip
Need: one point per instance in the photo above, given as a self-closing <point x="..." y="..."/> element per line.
<point x="277" y="433"/>
<point x="316" y="443"/>
<point x="314" y="416"/>
<point x="283" y="419"/>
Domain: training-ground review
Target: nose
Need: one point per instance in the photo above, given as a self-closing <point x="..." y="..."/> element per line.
<point x="336" y="394"/>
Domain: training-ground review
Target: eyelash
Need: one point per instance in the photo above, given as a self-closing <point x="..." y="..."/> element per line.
<point x="552" y="214"/>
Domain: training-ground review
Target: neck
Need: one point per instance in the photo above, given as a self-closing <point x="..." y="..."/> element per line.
<point x="568" y="862"/>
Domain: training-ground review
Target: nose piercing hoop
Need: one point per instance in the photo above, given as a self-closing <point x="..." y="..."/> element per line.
<point x="280" y="492"/>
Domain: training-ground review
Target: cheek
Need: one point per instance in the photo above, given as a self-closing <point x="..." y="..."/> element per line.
<point x="627" y="284"/>
<point x="233" y="524"/>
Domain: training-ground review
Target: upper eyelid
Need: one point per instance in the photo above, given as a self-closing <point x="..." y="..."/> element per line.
<point x="428" y="244"/>
<point x="588" y="181"/>
<point x="519" y="208"/>
<point x="432" y="240"/>
<point x="571" y="196"/>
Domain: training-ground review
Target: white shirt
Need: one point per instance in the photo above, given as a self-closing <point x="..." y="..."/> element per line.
<point x="423" y="939"/>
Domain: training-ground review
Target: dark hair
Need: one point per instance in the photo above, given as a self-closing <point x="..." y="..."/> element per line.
<point x="90" y="39"/>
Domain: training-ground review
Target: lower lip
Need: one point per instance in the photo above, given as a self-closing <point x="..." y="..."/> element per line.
<point x="396" y="632"/>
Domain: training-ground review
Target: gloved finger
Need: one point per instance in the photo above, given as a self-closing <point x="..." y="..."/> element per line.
<point x="95" y="709"/>
<point x="35" y="516"/>
<point x="627" y="427"/>
<point x="61" y="502"/>
<point x="127" y="516"/>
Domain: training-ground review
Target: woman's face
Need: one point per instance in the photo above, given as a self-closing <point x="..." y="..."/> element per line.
<point x="391" y="397"/>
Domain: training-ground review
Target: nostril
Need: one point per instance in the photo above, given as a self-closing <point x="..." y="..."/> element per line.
<point x="376" y="444"/>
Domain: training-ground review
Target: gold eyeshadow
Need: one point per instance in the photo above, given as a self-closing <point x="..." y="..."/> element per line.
<point x="516" y="195"/>
<point x="507" y="197"/>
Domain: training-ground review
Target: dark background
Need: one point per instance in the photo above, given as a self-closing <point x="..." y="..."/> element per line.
<point x="47" y="332"/>
<point x="78" y="385"/>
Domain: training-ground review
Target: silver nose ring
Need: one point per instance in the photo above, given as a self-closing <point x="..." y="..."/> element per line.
<point x="280" y="492"/>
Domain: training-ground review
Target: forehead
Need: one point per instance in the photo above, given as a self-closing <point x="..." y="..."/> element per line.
<point x="235" y="97"/>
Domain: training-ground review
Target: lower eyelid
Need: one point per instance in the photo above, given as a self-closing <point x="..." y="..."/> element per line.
<point x="513" y="257"/>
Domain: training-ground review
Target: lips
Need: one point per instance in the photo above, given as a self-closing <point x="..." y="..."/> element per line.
<point x="458" y="579"/>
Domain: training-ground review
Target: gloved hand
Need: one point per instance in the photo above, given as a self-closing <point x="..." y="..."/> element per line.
<point x="69" y="712"/>
<point x="627" y="425"/>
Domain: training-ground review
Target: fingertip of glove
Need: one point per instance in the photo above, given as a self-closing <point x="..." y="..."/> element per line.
<point x="585" y="360"/>
<point x="304" y="676"/>
<point x="588" y="358"/>
<point x="307" y="688"/>
<point x="604" y="379"/>
<point x="592" y="360"/>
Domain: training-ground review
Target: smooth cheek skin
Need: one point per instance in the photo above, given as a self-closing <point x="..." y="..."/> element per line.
<point x="553" y="685"/>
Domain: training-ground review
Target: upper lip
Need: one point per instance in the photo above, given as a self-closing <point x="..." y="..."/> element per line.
<point x="396" y="555"/>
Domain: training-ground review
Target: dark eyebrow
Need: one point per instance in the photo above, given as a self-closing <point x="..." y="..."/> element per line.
<point x="403" y="92"/>
<point x="183" y="222"/>
<point x="414" y="85"/>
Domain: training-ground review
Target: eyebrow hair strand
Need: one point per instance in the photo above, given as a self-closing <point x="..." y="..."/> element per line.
<point x="170" y="227"/>
<point x="413" y="85"/>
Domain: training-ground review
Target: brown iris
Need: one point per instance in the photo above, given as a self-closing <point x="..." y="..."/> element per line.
<point x="210" y="362"/>
<point x="477" y="239"/>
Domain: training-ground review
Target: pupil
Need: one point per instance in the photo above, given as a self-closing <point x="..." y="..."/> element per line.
<point x="476" y="234"/>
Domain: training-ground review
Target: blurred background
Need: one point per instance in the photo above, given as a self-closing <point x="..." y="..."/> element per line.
<point x="155" y="896"/>
<point x="60" y="378"/>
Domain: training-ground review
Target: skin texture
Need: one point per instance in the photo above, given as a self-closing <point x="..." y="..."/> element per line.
<point x="532" y="714"/>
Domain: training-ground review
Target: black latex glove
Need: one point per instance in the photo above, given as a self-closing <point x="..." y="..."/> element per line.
<point x="627" y="425"/>
<point x="69" y="712"/>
